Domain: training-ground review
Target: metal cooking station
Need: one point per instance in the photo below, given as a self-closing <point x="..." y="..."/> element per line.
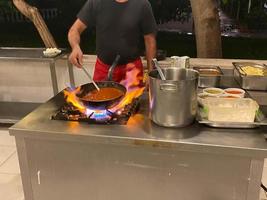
<point x="69" y="160"/>
<point x="36" y="54"/>
<point x="12" y="112"/>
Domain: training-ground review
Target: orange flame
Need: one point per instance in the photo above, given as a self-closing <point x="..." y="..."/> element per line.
<point x="133" y="82"/>
<point x="71" y="97"/>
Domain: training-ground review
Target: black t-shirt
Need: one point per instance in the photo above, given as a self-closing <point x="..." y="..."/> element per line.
<point x="119" y="27"/>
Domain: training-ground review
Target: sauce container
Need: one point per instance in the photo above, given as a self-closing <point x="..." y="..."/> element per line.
<point x="235" y="92"/>
<point x="214" y="92"/>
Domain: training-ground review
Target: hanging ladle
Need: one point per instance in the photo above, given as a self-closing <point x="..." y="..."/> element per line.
<point x="159" y="69"/>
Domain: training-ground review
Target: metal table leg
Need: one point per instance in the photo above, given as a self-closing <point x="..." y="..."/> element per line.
<point x="53" y="77"/>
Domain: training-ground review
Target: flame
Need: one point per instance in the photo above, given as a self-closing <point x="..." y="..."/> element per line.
<point x="71" y="97"/>
<point x="133" y="82"/>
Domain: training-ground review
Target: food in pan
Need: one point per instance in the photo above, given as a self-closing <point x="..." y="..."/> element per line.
<point x="103" y="94"/>
<point x="254" y="71"/>
<point x="208" y="71"/>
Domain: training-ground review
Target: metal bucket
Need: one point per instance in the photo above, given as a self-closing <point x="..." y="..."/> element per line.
<point x="173" y="102"/>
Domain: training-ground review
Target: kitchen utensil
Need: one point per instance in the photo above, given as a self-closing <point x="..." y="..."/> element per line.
<point x="107" y="103"/>
<point x="173" y="102"/>
<point x="112" y="67"/>
<point x="89" y="76"/>
<point x="103" y="104"/>
<point x="158" y="69"/>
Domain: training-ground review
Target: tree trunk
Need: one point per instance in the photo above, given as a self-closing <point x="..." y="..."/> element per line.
<point x="33" y="14"/>
<point x="207" y="28"/>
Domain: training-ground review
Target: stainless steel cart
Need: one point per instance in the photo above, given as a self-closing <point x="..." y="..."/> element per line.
<point x="11" y="112"/>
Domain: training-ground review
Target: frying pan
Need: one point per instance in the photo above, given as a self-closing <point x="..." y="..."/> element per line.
<point x="107" y="103"/>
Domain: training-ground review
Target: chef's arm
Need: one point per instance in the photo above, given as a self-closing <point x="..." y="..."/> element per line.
<point x="151" y="46"/>
<point x="74" y="37"/>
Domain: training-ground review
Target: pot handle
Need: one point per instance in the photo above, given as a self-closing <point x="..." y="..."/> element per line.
<point x="168" y="87"/>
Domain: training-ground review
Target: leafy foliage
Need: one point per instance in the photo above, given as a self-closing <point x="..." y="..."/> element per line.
<point x="253" y="18"/>
<point x="166" y="10"/>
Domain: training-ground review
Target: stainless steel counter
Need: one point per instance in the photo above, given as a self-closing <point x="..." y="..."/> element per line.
<point x="27" y="54"/>
<point x="139" y="160"/>
<point x="36" y="55"/>
<point x="141" y="131"/>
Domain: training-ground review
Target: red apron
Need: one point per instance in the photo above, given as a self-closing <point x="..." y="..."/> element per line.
<point x="101" y="70"/>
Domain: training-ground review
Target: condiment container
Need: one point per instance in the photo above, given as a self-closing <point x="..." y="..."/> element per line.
<point x="231" y="109"/>
<point x="215" y="92"/>
<point x="235" y="92"/>
<point x="247" y="78"/>
<point x="209" y="76"/>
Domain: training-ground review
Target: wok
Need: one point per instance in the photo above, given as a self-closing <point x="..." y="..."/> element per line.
<point x="101" y="104"/>
<point x="107" y="103"/>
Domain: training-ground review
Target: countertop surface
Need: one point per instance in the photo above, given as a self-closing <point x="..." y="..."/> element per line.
<point x="28" y="54"/>
<point x="140" y="130"/>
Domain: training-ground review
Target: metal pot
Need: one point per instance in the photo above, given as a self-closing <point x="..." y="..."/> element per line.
<point x="173" y="102"/>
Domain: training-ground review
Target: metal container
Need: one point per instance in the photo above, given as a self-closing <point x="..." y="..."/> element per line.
<point x="209" y="76"/>
<point x="249" y="82"/>
<point x="173" y="102"/>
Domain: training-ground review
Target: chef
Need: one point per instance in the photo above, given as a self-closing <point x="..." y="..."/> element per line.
<point x="120" y="25"/>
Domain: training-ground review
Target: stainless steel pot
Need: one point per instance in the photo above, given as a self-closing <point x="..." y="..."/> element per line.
<point x="173" y="102"/>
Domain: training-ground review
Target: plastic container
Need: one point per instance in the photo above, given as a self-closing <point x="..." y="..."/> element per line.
<point x="225" y="95"/>
<point x="215" y="92"/>
<point x="235" y="92"/>
<point x="231" y="109"/>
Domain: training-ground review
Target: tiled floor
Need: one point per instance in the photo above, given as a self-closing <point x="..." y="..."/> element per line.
<point x="10" y="181"/>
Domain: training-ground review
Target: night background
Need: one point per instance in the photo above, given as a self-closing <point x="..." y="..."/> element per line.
<point x="243" y="26"/>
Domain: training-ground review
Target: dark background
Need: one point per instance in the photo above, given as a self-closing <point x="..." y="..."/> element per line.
<point x="22" y="33"/>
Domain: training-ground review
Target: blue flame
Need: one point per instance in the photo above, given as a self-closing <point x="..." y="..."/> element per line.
<point x="97" y="114"/>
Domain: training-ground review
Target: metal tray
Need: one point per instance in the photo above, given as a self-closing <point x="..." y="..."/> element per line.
<point x="260" y="120"/>
<point x="249" y="82"/>
<point x="208" y="80"/>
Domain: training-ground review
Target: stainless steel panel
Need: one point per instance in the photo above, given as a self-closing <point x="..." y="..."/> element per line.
<point x="64" y="170"/>
<point x="27" y="54"/>
<point x="25" y="169"/>
<point x="12" y="112"/>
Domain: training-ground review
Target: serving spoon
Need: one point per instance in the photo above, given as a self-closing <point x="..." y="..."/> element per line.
<point x="89" y="76"/>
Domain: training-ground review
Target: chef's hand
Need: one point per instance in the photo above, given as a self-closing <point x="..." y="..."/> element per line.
<point x="76" y="56"/>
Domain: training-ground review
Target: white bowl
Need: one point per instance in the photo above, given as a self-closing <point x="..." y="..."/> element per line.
<point x="214" y="92"/>
<point x="236" y="92"/>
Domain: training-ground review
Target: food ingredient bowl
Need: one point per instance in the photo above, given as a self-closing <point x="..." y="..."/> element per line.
<point x="231" y="109"/>
<point x="215" y="92"/>
<point x="251" y="76"/>
<point x="209" y="76"/>
<point x="235" y="92"/>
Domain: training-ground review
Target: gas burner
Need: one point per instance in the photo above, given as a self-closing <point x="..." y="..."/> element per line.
<point x="69" y="113"/>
